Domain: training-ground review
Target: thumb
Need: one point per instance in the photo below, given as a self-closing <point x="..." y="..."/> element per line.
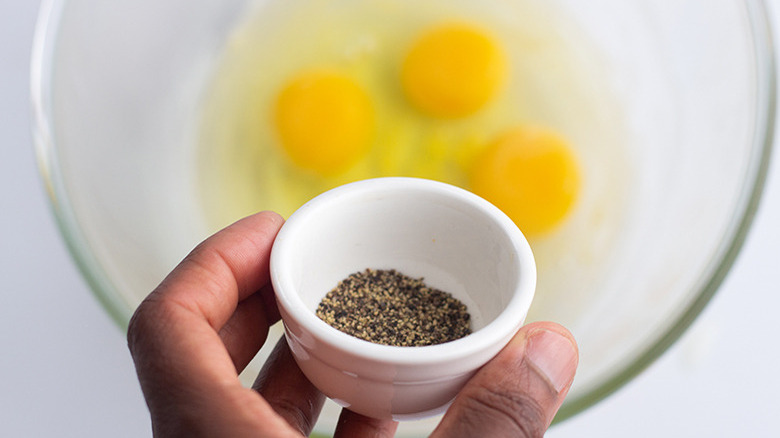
<point x="519" y="391"/>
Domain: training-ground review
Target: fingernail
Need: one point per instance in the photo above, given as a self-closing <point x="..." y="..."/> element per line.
<point x="553" y="355"/>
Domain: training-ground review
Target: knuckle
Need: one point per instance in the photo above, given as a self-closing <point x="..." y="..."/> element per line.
<point x="137" y="326"/>
<point x="514" y="413"/>
<point x="145" y="322"/>
<point x="295" y="415"/>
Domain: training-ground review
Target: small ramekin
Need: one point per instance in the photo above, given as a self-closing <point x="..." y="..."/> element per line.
<point x="455" y="240"/>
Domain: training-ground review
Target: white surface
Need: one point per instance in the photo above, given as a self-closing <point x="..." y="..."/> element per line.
<point x="66" y="371"/>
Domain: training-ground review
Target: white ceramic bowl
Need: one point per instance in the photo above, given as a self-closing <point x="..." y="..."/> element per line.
<point x="455" y="240"/>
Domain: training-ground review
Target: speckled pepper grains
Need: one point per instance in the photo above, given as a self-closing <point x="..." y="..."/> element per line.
<point x="387" y="307"/>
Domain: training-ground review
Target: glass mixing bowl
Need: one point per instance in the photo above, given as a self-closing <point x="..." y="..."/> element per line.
<point x="117" y="90"/>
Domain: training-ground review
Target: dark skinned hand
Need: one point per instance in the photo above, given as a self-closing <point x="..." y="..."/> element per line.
<point x="202" y="325"/>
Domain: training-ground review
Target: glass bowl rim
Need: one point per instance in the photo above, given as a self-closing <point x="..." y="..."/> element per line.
<point x="104" y="290"/>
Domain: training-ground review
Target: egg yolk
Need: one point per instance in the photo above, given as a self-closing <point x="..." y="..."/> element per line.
<point x="324" y="120"/>
<point x="453" y="70"/>
<point x="530" y="174"/>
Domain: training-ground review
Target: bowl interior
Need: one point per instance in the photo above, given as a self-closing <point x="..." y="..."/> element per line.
<point x="118" y="92"/>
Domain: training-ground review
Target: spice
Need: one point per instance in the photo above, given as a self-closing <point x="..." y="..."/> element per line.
<point x="387" y="307"/>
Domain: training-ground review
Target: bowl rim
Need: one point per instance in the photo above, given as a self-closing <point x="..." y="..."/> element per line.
<point x="711" y="279"/>
<point x="41" y="62"/>
<point x="105" y="291"/>
<point x="492" y="337"/>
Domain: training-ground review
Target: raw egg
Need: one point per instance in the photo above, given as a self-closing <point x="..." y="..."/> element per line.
<point x="453" y="70"/>
<point x="324" y="120"/>
<point x="311" y="95"/>
<point x="531" y="174"/>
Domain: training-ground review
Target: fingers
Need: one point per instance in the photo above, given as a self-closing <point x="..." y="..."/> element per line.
<point x="518" y="392"/>
<point x="177" y="325"/>
<point x="294" y="398"/>
<point x="351" y="424"/>
<point x="288" y="391"/>
<point x="224" y="269"/>
<point x="245" y="332"/>
<point x="201" y="325"/>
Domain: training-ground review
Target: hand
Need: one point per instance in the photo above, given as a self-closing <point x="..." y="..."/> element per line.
<point x="198" y="330"/>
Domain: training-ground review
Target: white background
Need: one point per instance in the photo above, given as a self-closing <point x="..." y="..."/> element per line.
<point x="65" y="370"/>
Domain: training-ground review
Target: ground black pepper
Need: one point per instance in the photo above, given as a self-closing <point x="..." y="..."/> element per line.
<point x="387" y="307"/>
